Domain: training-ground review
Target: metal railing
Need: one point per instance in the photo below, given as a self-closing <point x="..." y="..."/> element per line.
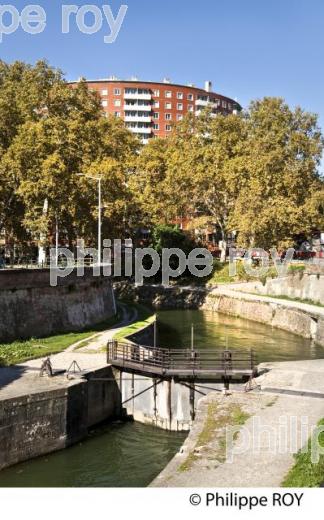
<point x="165" y="360"/>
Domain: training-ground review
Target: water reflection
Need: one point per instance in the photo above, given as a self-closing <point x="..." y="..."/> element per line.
<point x="219" y="331"/>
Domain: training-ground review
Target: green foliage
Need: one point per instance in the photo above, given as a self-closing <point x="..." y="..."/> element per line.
<point x="221" y="274"/>
<point x="49" y="132"/>
<point x="165" y="236"/>
<point x="255" y="173"/>
<point x="305" y="473"/>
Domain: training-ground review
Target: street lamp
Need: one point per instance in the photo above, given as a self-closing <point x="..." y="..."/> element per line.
<point x="99" y="210"/>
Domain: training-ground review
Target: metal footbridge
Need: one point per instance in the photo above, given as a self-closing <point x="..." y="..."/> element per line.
<point x="181" y="364"/>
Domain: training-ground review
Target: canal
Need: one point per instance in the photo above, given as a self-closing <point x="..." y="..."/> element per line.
<point x="131" y="454"/>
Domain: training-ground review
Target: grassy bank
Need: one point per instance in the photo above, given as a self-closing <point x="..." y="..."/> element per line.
<point x="20" y="351"/>
<point x="299" y="300"/>
<point x="144" y="319"/>
<point x="305" y="473"/>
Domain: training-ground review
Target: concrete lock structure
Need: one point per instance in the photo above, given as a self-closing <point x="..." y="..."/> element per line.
<point x="149" y="109"/>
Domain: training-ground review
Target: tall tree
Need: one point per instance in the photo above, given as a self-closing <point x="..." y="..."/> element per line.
<point x="55" y="133"/>
<point x="281" y="159"/>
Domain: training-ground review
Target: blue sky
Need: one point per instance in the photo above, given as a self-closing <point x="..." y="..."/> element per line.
<point x="248" y="48"/>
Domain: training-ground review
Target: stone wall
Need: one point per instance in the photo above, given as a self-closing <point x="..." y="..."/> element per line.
<point x="160" y="297"/>
<point x="30" y="307"/>
<point x="39" y="423"/>
<point x="307" y="285"/>
<point x="308" y="324"/>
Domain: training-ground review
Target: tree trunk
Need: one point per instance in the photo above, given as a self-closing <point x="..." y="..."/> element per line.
<point x="223" y="248"/>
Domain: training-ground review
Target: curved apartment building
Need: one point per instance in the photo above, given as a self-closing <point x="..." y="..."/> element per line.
<point x="149" y="109"/>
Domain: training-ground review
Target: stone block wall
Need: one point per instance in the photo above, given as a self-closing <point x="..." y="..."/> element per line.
<point x="43" y="422"/>
<point x="30" y="307"/>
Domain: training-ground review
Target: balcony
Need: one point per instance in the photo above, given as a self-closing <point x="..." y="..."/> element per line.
<point x="137" y="119"/>
<point x="136" y="108"/>
<point x="136" y="95"/>
<point x="202" y="103"/>
<point x="199" y="112"/>
<point x="140" y="130"/>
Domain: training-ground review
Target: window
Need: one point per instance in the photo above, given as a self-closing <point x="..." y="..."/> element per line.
<point x="156" y="104"/>
<point x="168" y="128"/>
<point x="104" y="92"/>
<point x="179" y="117"/>
<point x="168" y="94"/>
<point x="168" y="106"/>
<point x="156" y="115"/>
<point x="117" y="91"/>
<point x="224" y="104"/>
<point x="190" y="97"/>
<point x="156" y="126"/>
<point x="117" y="103"/>
<point x="156" y="93"/>
<point x="117" y="114"/>
<point x="180" y="106"/>
<point x="190" y="108"/>
<point x="179" y="95"/>
<point x="168" y="117"/>
<point x="104" y="103"/>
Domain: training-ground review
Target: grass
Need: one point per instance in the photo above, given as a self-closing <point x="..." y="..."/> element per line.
<point x="23" y="350"/>
<point x="214" y="427"/>
<point x="305" y="473"/>
<point x="299" y="268"/>
<point x="210" y="426"/>
<point x="221" y="274"/>
<point x="144" y="319"/>
<point x="300" y="300"/>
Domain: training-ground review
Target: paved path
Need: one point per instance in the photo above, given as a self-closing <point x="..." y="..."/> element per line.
<point x="24" y="378"/>
<point x="263" y="450"/>
<point x="280" y="425"/>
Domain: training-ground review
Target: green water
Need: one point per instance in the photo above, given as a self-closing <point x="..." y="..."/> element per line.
<point x="117" y="455"/>
<point x="213" y="330"/>
<point x="131" y="454"/>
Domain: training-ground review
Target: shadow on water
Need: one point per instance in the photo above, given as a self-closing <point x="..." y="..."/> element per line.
<point x="115" y="455"/>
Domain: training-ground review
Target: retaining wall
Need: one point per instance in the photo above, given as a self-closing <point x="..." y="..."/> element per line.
<point x="308" y="285"/>
<point x="308" y="324"/>
<point x="160" y="297"/>
<point x="39" y="423"/>
<point x="30" y="307"/>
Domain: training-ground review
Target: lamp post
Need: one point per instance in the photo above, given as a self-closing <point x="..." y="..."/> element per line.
<point x="56" y="239"/>
<point x="98" y="179"/>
